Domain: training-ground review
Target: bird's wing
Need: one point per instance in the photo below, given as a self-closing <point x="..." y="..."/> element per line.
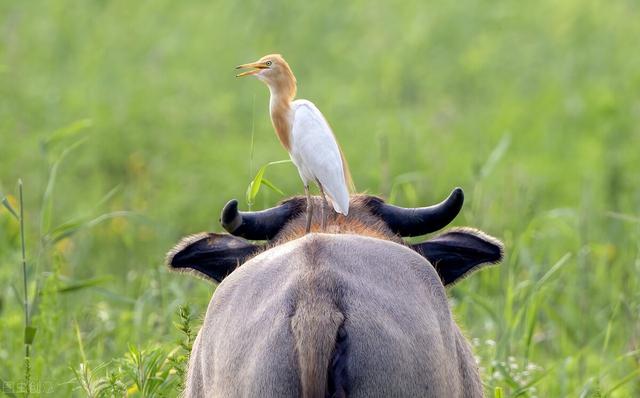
<point x="316" y="153"/>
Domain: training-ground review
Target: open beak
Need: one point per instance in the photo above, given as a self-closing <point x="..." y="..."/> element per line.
<point x="256" y="67"/>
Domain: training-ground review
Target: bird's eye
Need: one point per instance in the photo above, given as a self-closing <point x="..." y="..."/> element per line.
<point x="268" y="63"/>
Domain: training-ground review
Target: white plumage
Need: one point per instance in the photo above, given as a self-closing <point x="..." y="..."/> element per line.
<point x="315" y="153"/>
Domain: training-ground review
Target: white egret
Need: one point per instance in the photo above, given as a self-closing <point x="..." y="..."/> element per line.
<point x="305" y="134"/>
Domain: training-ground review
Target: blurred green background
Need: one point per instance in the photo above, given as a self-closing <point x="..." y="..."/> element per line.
<point x="533" y="108"/>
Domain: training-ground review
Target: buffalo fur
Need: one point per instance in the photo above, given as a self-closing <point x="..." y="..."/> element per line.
<point x="316" y="321"/>
<point x="360" y="221"/>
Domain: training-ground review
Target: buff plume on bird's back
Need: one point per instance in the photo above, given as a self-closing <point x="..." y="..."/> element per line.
<point x="305" y="134"/>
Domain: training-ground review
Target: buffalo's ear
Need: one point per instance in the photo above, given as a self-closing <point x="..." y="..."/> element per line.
<point x="459" y="252"/>
<point x="213" y="255"/>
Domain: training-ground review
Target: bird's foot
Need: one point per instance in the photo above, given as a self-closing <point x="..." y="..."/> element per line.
<point x="323" y="219"/>
<point x="308" y="227"/>
<point x="324" y="208"/>
<point x="309" y="210"/>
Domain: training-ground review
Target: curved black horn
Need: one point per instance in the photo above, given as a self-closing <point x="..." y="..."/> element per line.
<point x="258" y="225"/>
<point x="422" y="220"/>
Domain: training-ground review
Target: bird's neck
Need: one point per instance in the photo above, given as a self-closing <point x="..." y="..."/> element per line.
<point x="280" y="108"/>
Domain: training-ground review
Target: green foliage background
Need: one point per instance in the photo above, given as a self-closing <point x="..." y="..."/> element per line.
<point x="533" y="108"/>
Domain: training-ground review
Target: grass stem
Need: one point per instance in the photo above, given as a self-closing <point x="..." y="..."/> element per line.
<point x="28" y="334"/>
<point x="24" y="258"/>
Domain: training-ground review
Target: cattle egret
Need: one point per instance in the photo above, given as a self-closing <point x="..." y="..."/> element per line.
<point x="305" y="134"/>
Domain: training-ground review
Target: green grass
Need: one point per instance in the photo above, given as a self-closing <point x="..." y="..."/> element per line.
<point x="533" y="108"/>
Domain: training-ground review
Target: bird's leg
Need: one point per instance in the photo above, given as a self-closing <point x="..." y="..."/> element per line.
<point x="324" y="205"/>
<point x="309" y="209"/>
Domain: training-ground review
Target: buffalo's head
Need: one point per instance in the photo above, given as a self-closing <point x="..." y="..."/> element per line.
<point x="454" y="253"/>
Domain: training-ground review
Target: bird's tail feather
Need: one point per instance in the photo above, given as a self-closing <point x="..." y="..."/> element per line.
<point x="351" y="187"/>
<point x="341" y="204"/>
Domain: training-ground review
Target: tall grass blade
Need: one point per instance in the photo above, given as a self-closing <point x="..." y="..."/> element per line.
<point x="29" y="332"/>
<point x="607" y="335"/>
<point x="73" y="130"/>
<point x="545" y="278"/>
<point x="271" y="186"/>
<point x="401" y="181"/>
<point x="47" y="199"/>
<point x="623" y="217"/>
<point x="483" y="303"/>
<point x="35" y="302"/>
<point x="532" y="320"/>
<point x="76" y="329"/>
<point x="494" y="158"/>
<point x="71" y="227"/>
<point x="108" y="196"/>
<point x="254" y="185"/>
<point x="632" y="376"/>
<point x="24" y="257"/>
<point x="253" y="128"/>
<point x="84" y="284"/>
<point x="114" y="297"/>
<point x="7" y="205"/>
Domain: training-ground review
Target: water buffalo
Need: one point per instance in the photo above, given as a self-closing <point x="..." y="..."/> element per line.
<point x="354" y="311"/>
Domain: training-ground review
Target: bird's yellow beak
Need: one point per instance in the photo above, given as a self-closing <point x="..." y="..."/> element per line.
<point x="256" y="67"/>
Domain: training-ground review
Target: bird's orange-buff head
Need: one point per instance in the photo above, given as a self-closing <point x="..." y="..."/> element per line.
<point x="275" y="72"/>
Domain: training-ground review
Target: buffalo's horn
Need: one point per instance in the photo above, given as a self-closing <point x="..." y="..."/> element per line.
<point x="422" y="220"/>
<point x="257" y="225"/>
